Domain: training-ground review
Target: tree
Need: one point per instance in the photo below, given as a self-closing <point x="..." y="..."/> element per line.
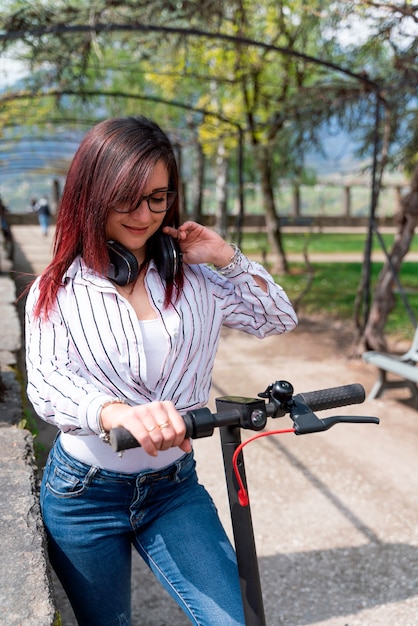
<point x="252" y="84"/>
<point x="272" y="73"/>
<point x="392" y="50"/>
<point x="373" y="337"/>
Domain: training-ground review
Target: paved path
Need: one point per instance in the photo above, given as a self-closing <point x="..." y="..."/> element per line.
<point x="335" y="514"/>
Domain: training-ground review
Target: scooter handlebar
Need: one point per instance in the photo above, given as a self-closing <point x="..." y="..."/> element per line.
<point x="333" y="397"/>
<point x="301" y="407"/>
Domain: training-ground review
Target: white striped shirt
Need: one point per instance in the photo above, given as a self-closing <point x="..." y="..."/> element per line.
<point x="91" y="350"/>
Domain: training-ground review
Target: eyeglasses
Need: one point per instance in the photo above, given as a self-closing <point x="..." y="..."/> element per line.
<point x="158" y="202"/>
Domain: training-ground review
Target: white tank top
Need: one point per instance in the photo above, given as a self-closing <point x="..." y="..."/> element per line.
<point x="155" y="348"/>
<point x="91" y="450"/>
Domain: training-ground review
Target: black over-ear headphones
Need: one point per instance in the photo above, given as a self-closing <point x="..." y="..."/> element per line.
<point x="124" y="267"/>
<point x="169" y="259"/>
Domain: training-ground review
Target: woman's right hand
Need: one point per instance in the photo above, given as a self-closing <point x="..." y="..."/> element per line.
<point x="156" y="426"/>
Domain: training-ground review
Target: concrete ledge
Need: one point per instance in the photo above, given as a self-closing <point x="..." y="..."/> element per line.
<point x="25" y="588"/>
<point x="11" y="340"/>
<point x="25" y="596"/>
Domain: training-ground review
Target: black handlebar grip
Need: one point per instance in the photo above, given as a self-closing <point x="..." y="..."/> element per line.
<point x="199" y="423"/>
<point x="334" y="397"/>
<point x="121" y="439"/>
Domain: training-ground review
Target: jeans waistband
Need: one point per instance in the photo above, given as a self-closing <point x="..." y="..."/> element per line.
<point x="144" y="476"/>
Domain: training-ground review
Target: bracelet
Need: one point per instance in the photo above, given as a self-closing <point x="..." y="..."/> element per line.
<point x="104" y="434"/>
<point x="233" y="261"/>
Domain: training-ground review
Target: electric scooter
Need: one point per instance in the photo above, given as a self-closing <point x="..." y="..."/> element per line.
<point x="234" y="413"/>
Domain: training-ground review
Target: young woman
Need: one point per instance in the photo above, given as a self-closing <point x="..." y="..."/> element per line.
<point x="119" y="333"/>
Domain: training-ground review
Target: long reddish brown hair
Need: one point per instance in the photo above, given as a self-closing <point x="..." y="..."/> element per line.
<point x="111" y="167"/>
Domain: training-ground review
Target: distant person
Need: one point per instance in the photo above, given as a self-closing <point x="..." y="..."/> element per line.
<point x="3" y="209"/>
<point x="31" y="208"/>
<point x="5" y="229"/>
<point x="44" y="214"/>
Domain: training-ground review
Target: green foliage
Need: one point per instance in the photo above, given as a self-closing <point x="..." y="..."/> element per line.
<point x="57" y="619"/>
<point x="253" y="64"/>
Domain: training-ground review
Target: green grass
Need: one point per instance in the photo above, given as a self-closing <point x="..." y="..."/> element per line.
<point x="334" y="289"/>
<point x="319" y="242"/>
<point x="335" y="285"/>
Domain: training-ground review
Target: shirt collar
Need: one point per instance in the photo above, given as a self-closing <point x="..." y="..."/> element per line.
<point x="81" y="274"/>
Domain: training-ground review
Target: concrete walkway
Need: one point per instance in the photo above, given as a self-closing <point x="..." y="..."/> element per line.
<point x="335" y="514"/>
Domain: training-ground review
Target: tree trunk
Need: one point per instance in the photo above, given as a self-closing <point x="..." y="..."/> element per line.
<point x="221" y="221"/>
<point x="198" y="182"/>
<point x="279" y="261"/>
<point x="56" y="193"/>
<point x="182" y="196"/>
<point x="296" y="200"/>
<point x="383" y="301"/>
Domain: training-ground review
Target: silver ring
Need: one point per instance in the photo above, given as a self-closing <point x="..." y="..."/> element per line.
<point x="164" y="425"/>
<point x="149" y="430"/>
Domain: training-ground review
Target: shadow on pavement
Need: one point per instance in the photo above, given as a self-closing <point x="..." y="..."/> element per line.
<point x="320" y="585"/>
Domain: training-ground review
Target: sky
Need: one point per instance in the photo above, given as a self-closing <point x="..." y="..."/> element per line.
<point x="11" y="70"/>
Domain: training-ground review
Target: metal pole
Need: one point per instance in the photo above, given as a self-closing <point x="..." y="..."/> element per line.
<point x="252" y="597"/>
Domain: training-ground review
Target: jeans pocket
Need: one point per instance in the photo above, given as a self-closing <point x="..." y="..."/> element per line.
<point x="186" y="468"/>
<point x="61" y="482"/>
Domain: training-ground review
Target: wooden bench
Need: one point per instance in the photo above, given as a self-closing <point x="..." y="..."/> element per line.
<point x="403" y="366"/>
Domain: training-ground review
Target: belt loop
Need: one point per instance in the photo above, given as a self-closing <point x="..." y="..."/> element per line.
<point x="176" y="470"/>
<point x="180" y="464"/>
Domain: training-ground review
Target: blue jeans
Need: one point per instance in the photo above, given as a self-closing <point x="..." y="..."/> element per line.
<point x="92" y="518"/>
<point x="44" y="223"/>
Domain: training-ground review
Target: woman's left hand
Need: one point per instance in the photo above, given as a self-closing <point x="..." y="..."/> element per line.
<point x="200" y="244"/>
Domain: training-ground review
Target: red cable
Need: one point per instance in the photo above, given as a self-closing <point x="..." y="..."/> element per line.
<point x="242" y="492"/>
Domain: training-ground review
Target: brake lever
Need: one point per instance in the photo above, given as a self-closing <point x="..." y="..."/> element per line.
<point x="305" y="420"/>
